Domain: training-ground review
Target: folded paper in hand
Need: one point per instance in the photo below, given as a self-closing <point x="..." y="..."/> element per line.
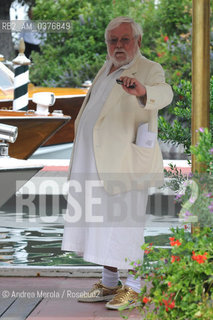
<point x="144" y="137"/>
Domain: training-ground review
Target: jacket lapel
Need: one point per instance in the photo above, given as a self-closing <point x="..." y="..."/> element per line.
<point x="115" y="93"/>
<point x="118" y="90"/>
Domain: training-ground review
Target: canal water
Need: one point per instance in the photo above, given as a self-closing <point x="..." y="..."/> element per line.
<point x="39" y="244"/>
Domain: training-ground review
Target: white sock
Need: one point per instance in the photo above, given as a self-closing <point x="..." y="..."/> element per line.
<point x="134" y="283"/>
<point x="109" y="278"/>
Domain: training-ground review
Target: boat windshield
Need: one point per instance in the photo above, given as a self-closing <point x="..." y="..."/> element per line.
<point x="5" y="81"/>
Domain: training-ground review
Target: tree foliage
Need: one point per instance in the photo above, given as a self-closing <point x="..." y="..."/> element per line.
<point x="174" y="16"/>
<point x="73" y="57"/>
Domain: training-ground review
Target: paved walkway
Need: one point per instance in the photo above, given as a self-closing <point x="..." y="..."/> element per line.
<point x="45" y="298"/>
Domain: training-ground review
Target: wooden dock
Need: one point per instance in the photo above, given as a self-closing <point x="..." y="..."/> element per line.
<point x="46" y="298"/>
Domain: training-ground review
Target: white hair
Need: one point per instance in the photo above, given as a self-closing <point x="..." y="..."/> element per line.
<point x="114" y="23"/>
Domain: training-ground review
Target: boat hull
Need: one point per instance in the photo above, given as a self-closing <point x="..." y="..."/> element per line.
<point x="33" y="130"/>
<point x="14" y="174"/>
<point x="70" y="106"/>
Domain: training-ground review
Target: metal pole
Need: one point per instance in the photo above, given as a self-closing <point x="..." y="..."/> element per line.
<point x="200" y="70"/>
<point x="200" y="75"/>
<point x="21" y="79"/>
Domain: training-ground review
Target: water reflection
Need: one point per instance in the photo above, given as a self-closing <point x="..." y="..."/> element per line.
<point x="40" y="244"/>
<point x="33" y="246"/>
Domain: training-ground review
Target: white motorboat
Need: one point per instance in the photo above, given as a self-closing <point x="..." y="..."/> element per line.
<point x="14" y="173"/>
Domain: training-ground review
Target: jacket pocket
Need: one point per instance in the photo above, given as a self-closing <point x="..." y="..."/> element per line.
<point x="141" y="158"/>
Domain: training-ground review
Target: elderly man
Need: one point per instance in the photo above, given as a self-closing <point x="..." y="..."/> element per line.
<point x="115" y="158"/>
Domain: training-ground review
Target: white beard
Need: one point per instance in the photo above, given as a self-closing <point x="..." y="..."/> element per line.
<point x="128" y="59"/>
<point x="120" y="63"/>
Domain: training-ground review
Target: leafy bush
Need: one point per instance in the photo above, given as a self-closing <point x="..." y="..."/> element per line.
<point x="179" y="131"/>
<point x="180" y="282"/>
<point x="174" y="54"/>
<point x="203" y="151"/>
<point x="179" y="279"/>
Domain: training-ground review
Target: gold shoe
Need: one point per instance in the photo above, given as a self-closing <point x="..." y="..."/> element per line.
<point x="125" y="298"/>
<point x="99" y="293"/>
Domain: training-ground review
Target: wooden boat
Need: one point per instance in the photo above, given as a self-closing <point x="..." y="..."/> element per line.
<point x="69" y="100"/>
<point x="33" y="130"/>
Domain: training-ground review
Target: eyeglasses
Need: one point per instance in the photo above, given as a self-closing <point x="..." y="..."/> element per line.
<point x="124" y="41"/>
